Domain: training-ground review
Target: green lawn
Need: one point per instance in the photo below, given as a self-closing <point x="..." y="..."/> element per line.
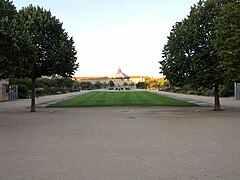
<point x="121" y="99"/>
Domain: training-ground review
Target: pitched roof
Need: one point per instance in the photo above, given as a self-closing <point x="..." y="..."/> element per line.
<point x="119" y="75"/>
<point x="91" y="78"/>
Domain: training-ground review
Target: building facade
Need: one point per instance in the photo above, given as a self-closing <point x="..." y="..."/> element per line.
<point x="119" y="79"/>
<point x="4" y="95"/>
<point x="117" y="82"/>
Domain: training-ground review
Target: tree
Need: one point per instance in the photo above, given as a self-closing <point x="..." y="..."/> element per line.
<point x="33" y="44"/>
<point x="131" y="84"/>
<point x="86" y="85"/>
<point x="97" y="85"/>
<point x="8" y="36"/>
<point x="68" y="83"/>
<point x="51" y="51"/>
<point x="76" y="85"/>
<point x="227" y="41"/>
<point x="15" y="45"/>
<point x="111" y="83"/>
<point x="45" y="83"/>
<point x="189" y="57"/>
<point x="162" y="82"/>
<point x="104" y="84"/>
<point x="141" y="85"/>
<point x="151" y="83"/>
<point x="125" y="84"/>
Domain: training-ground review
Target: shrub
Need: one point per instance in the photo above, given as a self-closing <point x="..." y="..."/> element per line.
<point x="23" y="92"/>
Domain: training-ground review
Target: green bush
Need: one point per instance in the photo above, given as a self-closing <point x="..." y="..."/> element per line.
<point x="223" y="92"/>
<point x="53" y="91"/>
<point x="23" y="92"/>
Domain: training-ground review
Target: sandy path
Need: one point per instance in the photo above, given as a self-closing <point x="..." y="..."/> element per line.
<point x="120" y="143"/>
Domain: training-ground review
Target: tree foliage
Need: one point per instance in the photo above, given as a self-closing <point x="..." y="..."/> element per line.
<point x="190" y="55"/>
<point x="111" y="83"/>
<point x="44" y="86"/>
<point x="227" y="41"/>
<point x="97" y="85"/>
<point x="86" y="85"/>
<point x="141" y="85"/>
<point x="8" y="35"/>
<point x="34" y="44"/>
<point x="54" y="52"/>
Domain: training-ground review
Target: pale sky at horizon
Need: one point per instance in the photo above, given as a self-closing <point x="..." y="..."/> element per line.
<point x="108" y="34"/>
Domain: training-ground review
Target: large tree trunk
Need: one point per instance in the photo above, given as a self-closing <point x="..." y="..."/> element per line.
<point x="217" y="106"/>
<point x="33" y="105"/>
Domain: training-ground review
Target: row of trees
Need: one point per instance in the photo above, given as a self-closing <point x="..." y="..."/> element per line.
<point x="56" y="85"/>
<point x="44" y="86"/>
<point x="148" y="84"/>
<point x="203" y="50"/>
<point x="87" y="85"/>
<point x="33" y="44"/>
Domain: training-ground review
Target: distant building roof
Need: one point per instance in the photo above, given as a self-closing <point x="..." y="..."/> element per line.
<point x="91" y="78"/>
<point x="119" y="75"/>
<point x="106" y="78"/>
<point x="136" y="77"/>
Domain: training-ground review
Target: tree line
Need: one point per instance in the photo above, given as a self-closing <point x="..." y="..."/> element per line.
<point x="34" y="44"/>
<point x="203" y="50"/>
<point x="59" y="85"/>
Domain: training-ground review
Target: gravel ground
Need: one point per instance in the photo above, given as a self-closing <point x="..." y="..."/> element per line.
<point x="120" y="143"/>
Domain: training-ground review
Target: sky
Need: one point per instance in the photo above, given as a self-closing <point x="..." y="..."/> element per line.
<point x="112" y="34"/>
